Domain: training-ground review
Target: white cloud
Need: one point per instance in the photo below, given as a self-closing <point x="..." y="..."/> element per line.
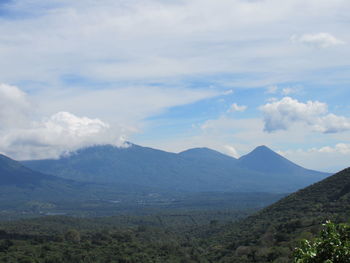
<point x="282" y="114"/>
<point x="14" y="106"/>
<point x="341" y="148"/>
<point x="235" y="107"/>
<point x="230" y="150"/>
<point x="23" y="136"/>
<point x="332" y="123"/>
<point x="290" y="90"/>
<point x="62" y="132"/>
<point x="64" y="122"/>
<point x="320" y="40"/>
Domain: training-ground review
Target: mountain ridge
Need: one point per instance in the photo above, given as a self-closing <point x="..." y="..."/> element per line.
<point x="197" y="169"/>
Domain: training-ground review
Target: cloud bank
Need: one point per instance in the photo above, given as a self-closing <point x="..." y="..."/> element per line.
<point x="132" y="41"/>
<point x="24" y="137"/>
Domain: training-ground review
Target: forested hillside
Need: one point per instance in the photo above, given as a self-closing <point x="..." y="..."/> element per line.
<point x="273" y="233"/>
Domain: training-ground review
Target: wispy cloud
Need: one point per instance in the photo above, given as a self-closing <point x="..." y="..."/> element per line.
<point x="118" y="41"/>
<point x="272" y="89"/>
<point x="320" y="40"/>
<point x="330" y="158"/>
<point x="235" y="107"/>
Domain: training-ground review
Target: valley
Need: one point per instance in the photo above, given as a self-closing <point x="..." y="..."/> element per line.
<point x="172" y="220"/>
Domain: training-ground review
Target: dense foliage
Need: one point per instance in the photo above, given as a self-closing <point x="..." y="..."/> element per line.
<point x="63" y="239"/>
<point x="332" y="246"/>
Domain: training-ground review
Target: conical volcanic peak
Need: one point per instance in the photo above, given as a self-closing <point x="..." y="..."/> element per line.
<point x="263" y="159"/>
<point x="261" y="152"/>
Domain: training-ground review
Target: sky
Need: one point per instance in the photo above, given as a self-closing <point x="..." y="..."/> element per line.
<point x="226" y="74"/>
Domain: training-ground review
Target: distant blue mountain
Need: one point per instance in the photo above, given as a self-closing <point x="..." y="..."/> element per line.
<point x="20" y="184"/>
<point x="15" y="174"/>
<point x="206" y="154"/>
<point x="264" y="160"/>
<point x="194" y="170"/>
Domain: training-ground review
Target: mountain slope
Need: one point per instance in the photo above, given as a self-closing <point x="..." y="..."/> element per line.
<point x="195" y="170"/>
<point x="20" y="184"/>
<point x="279" y="226"/>
<point x="14" y="173"/>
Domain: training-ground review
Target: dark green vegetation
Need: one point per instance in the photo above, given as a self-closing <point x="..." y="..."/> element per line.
<point x="195" y="170"/>
<point x="332" y="246"/>
<point x="272" y="234"/>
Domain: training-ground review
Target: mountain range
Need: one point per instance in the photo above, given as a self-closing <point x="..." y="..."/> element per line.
<point x="193" y="170"/>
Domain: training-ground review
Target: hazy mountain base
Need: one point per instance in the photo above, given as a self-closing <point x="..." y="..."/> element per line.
<point x="136" y="204"/>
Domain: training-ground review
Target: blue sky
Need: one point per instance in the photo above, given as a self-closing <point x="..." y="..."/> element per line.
<point x="226" y="74"/>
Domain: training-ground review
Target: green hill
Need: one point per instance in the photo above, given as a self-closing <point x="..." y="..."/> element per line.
<point x="271" y="234"/>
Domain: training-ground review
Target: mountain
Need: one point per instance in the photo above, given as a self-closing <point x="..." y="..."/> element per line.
<point x="206" y="154"/>
<point x="19" y="184"/>
<point x="263" y="159"/>
<point x="194" y="170"/>
<point x="14" y="173"/>
<point x="272" y="233"/>
<point x="142" y="165"/>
